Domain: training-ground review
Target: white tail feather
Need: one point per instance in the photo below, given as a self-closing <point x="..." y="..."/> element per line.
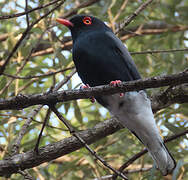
<point x="163" y="159"/>
<point x="134" y="112"/>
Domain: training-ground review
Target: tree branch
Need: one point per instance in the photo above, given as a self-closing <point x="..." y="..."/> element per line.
<point x="75" y="134"/>
<point x="38" y="76"/>
<point x="81" y="5"/>
<point x="52" y="151"/>
<point x="22" y="101"/>
<point x="47" y="153"/>
<point x="153" y="27"/>
<point x="68" y="145"/>
<point x="160" y="51"/>
<point x="177" y="94"/>
<point x="131" y="17"/>
<point x="28" y="11"/>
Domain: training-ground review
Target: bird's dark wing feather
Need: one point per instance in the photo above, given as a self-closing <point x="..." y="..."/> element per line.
<point x="123" y="53"/>
<point x="100" y="57"/>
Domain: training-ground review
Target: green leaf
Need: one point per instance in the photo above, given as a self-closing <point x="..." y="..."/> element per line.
<point x="77" y="112"/>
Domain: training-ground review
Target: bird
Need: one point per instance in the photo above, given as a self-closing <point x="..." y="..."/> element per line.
<point x="100" y="59"/>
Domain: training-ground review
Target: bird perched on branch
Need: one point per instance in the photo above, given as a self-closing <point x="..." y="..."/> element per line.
<point x="101" y="58"/>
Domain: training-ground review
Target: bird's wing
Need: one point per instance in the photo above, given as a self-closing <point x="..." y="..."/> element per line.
<point x="124" y="55"/>
<point x="101" y="58"/>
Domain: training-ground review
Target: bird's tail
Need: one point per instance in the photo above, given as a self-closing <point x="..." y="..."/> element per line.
<point x="162" y="158"/>
<point x="134" y="112"/>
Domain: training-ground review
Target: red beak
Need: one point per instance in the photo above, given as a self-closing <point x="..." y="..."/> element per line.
<point x="65" y="22"/>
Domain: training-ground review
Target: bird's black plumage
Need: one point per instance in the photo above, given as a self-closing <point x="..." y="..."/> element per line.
<point x="100" y="57"/>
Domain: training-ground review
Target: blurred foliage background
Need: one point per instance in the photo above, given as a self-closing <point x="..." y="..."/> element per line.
<point x="43" y="59"/>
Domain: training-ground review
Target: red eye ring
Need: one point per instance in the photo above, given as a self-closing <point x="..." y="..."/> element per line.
<point x="87" y="21"/>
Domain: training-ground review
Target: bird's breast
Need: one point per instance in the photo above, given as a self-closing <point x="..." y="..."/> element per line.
<point x="89" y="58"/>
<point x="97" y="61"/>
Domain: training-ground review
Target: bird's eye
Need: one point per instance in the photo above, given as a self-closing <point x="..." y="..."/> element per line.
<point x="87" y="20"/>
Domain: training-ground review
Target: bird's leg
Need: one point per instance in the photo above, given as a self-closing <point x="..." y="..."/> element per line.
<point x="116" y="84"/>
<point x="92" y="99"/>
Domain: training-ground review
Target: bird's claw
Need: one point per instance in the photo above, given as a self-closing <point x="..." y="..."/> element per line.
<point x="92" y="99"/>
<point x="121" y="94"/>
<point x="84" y="86"/>
<point x="116" y="83"/>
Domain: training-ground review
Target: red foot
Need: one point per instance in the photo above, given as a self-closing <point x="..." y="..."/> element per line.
<point x="121" y="94"/>
<point x="85" y="86"/>
<point x="92" y="99"/>
<point x="116" y="84"/>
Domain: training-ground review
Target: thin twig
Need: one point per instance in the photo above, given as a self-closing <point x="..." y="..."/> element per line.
<point x="26" y="175"/>
<point x="153" y="31"/>
<point x="38" y="76"/>
<point x="129" y="171"/>
<point x="27" y="14"/>
<point x="122" y="8"/>
<point x="47" y="115"/>
<point x="159" y="51"/>
<point x="110" y="16"/>
<point x="26" y="85"/>
<point x="3" y="37"/>
<point x="81" y="5"/>
<point x="40" y="134"/>
<point x="65" y="80"/>
<point x="17" y="141"/>
<point x="132" y="16"/>
<point x="72" y="131"/>
<point x="39" y="122"/>
<point x="28" y="11"/>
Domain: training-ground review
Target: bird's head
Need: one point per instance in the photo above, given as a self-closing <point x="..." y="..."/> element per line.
<point x="82" y="23"/>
